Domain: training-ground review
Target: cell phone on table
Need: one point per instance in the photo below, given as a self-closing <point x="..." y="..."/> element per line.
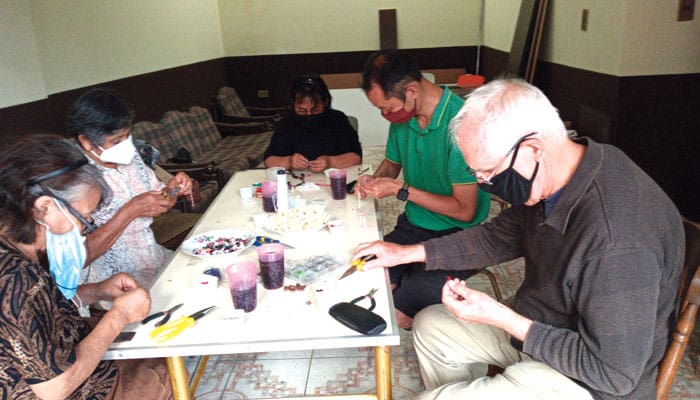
<point x="124" y="337"/>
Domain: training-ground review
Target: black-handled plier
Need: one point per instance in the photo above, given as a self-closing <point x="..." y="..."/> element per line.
<point x="165" y="314"/>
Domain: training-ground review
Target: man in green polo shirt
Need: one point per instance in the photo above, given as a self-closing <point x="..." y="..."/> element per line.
<point x="441" y="197"/>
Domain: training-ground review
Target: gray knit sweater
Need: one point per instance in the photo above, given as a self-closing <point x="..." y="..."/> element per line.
<point x="601" y="273"/>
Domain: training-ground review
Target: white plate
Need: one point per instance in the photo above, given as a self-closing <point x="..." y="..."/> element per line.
<point x="218" y="243"/>
<point x="308" y="218"/>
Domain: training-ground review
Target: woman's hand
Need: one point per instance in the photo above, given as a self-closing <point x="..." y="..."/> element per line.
<point x="319" y="164"/>
<point x="388" y="254"/>
<point x="182" y="182"/>
<point x="115" y="286"/>
<point x="299" y="161"/>
<point x="150" y="204"/>
<point x="133" y="305"/>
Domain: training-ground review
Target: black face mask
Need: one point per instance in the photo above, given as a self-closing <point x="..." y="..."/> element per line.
<point x="309" y="122"/>
<point x="510" y="185"/>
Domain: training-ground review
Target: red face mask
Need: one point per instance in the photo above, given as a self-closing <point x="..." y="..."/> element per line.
<point x="401" y="116"/>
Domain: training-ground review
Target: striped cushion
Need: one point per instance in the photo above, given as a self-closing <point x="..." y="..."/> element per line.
<point x="156" y="135"/>
<point x="194" y="130"/>
<point x="229" y="103"/>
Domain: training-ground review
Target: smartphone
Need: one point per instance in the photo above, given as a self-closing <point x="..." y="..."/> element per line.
<point x="124" y="337"/>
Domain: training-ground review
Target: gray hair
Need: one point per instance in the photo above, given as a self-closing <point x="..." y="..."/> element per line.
<point x="497" y="114"/>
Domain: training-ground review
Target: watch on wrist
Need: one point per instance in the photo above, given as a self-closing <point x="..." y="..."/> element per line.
<point x="403" y="192"/>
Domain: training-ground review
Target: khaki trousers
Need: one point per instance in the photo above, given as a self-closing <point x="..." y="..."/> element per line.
<point x="454" y="357"/>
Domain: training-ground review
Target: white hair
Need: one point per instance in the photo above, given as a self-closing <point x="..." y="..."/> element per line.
<point x="497" y="114"/>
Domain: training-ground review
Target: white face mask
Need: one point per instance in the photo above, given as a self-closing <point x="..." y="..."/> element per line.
<point x="121" y="153"/>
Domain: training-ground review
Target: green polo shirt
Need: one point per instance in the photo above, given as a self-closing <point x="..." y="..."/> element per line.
<point x="432" y="162"/>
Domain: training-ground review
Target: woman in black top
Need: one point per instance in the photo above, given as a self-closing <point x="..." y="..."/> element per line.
<point x="313" y="136"/>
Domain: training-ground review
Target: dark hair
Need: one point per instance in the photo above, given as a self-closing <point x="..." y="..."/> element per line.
<point x="98" y="113"/>
<point x="311" y="86"/>
<point x="392" y="71"/>
<point x="28" y="170"/>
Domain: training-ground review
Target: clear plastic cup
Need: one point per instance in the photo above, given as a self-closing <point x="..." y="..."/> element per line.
<point x="242" y="281"/>
<point x="271" y="259"/>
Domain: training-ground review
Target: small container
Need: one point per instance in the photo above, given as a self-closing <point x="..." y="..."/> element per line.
<point x="338" y="180"/>
<point x="242" y="281"/>
<point x="271" y="259"/>
<point x="246" y="192"/>
<point x="257" y="190"/>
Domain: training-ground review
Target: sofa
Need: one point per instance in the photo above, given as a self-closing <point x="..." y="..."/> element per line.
<point x="221" y="148"/>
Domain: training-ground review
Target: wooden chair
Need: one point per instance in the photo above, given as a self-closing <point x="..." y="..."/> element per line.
<point x="689" y="294"/>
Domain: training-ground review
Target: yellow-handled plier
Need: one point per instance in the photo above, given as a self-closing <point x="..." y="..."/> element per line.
<point x="173" y="328"/>
<point x="356" y="265"/>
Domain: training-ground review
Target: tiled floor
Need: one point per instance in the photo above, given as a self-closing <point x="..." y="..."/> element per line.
<point x="351" y="371"/>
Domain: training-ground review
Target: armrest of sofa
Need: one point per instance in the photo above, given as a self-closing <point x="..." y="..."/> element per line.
<point x="267" y="111"/>
<point x="234" y="129"/>
<point x="202" y="172"/>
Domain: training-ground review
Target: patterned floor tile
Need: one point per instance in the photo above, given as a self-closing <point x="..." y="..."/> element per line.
<point x="330" y="376"/>
<point x="216" y="375"/>
<point x="282" y="355"/>
<point x="263" y="379"/>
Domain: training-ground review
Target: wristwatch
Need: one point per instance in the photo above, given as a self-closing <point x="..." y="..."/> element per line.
<point x="403" y="192"/>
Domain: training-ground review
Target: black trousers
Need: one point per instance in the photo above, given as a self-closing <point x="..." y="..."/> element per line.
<point x="416" y="287"/>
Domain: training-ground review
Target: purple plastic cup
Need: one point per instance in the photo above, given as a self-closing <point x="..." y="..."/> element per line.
<point x="269" y="192"/>
<point x="271" y="259"/>
<point x="242" y="281"/>
<point x="338" y="179"/>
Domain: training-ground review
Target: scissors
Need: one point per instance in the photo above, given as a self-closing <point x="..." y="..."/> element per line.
<point x="173" y="328"/>
<point x="165" y="314"/>
<point x="356" y="265"/>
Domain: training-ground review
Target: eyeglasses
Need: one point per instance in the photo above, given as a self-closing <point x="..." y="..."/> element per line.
<point x="487" y="179"/>
<point x="88" y="225"/>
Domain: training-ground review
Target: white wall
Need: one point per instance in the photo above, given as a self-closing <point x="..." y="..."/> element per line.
<point x="624" y="37"/>
<point x="655" y="43"/>
<point x="21" y="80"/>
<point x="257" y="27"/>
<point x="92" y="41"/>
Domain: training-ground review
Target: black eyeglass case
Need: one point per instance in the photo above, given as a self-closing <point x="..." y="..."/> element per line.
<point x="357" y="318"/>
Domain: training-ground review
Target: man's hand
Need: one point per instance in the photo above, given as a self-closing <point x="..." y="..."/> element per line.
<point x="149" y="204"/>
<point x="182" y="182"/>
<point x="319" y="164"/>
<point x="299" y="161"/>
<point x="133" y="305"/>
<point x="478" y="307"/>
<point x="389" y="254"/>
<point x="382" y="187"/>
<point x="115" y="286"/>
<point x="362" y="182"/>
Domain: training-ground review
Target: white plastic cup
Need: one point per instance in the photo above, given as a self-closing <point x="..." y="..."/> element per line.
<point x="246" y="192"/>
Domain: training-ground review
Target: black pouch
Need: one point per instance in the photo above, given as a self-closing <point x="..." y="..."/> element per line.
<point x="357" y="318"/>
<point x="183" y="156"/>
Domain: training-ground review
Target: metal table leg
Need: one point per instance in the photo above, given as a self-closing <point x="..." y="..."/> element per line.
<point x="382" y="360"/>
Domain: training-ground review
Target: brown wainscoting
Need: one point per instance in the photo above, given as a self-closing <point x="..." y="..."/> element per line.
<point x="196" y="84"/>
<point x="152" y="94"/>
<point x="274" y="72"/>
<point x="21" y="119"/>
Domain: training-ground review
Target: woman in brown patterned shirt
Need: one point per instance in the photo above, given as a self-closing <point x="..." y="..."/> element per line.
<point x="47" y="350"/>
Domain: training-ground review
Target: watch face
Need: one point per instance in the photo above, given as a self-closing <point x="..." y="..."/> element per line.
<point x="402" y="194"/>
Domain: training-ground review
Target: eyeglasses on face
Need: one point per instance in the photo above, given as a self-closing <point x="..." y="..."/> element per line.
<point x="486" y="180"/>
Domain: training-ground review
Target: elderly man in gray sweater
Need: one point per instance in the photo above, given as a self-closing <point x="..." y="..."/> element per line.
<point x="603" y="248"/>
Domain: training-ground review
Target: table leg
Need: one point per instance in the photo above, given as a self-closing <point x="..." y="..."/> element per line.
<point x="382" y="361"/>
<point x="178" y="378"/>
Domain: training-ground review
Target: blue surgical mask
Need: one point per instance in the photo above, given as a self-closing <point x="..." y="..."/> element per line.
<point x="67" y="254"/>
